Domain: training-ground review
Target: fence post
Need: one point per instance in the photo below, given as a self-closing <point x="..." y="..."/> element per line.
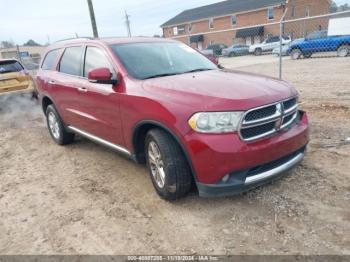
<point x="281" y="34"/>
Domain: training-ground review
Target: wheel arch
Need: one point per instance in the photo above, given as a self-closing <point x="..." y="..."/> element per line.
<point x="45" y="102"/>
<point x="138" y="138"/>
<point x="343" y="43"/>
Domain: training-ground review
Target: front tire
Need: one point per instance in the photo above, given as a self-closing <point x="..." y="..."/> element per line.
<point x="258" y="52"/>
<point x="169" y="170"/>
<point x="295" y="54"/>
<point x="232" y="54"/>
<point x="343" y="51"/>
<point x="56" y="127"/>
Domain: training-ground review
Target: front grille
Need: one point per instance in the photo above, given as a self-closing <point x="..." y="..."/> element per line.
<point x="257" y="130"/>
<point x="287" y="119"/>
<point x="267" y="120"/>
<point x="289" y="103"/>
<point x="261" y="113"/>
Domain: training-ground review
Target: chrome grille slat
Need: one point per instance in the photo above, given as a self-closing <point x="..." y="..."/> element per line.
<point x="284" y="110"/>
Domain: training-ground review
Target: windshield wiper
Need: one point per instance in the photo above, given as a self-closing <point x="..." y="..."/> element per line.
<point x="198" y="70"/>
<point x="161" y="75"/>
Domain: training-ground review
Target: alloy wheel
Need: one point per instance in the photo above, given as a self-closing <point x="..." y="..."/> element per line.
<point x="156" y="164"/>
<point x="53" y="125"/>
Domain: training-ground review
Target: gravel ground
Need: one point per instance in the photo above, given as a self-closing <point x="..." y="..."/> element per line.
<point x="86" y="199"/>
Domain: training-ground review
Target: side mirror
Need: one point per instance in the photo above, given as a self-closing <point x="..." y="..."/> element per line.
<point x="101" y="76"/>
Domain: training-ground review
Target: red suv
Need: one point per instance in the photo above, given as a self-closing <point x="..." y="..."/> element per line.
<point x="162" y="103"/>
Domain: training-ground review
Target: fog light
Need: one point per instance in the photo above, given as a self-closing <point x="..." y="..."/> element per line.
<point x="225" y="178"/>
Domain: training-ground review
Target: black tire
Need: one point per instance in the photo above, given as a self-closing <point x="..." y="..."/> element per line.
<point x="307" y="55"/>
<point x="35" y="95"/>
<point x="61" y="137"/>
<point x="343" y="51"/>
<point x="177" y="173"/>
<point x="295" y="54"/>
<point x="258" y="52"/>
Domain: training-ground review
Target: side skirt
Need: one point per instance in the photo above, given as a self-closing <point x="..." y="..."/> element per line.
<point x="100" y="141"/>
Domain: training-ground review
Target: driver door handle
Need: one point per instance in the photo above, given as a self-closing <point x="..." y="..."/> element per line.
<point x="82" y="89"/>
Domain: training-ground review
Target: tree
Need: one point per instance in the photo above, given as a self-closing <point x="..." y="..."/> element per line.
<point x="344" y="7"/>
<point x="7" y="44"/>
<point x="334" y="7"/>
<point x="31" y="43"/>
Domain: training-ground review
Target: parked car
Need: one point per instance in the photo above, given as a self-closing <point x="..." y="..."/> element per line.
<point x="285" y="48"/>
<point x="268" y="45"/>
<point x="235" y="50"/>
<point x="31" y="67"/>
<point x="14" y="78"/>
<point x="160" y="102"/>
<point x="217" y="48"/>
<point x="319" y="41"/>
<point x="210" y="55"/>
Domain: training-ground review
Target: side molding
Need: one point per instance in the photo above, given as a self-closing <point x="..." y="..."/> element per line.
<point x="99" y="140"/>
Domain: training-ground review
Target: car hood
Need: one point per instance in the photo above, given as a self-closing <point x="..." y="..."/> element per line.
<point x="218" y="90"/>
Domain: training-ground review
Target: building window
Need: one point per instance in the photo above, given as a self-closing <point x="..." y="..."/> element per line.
<point x="211" y="23"/>
<point x="307" y="11"/>
<point x="175" y="31"/>
<point x="233" y="19"/>
<point x="270" y="13"/>
<point x="293" y="11"/>
<point x="181" y="30"/>
<point x="190" y="28"/>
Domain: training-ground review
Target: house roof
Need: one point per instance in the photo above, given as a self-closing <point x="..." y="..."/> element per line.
<point x="220" y="9"/>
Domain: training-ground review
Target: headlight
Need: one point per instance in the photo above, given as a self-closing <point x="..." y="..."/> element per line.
<point x="215" y="122"/>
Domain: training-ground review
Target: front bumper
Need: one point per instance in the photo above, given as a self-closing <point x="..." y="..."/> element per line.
<point x="214" y="157"/>
<point x="243" y="181"/>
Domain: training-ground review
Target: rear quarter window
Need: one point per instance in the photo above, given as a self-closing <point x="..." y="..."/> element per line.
<point x="50" y="59"/>
<point x="9" y="66"/>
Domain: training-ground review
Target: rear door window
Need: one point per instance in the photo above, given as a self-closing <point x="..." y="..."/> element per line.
<point x="10" y="66"/>
<point x="96" y="58"/>
<point x="50" y="59"/>
<point x="274" y="39"/>
<point x="71" y="61"/>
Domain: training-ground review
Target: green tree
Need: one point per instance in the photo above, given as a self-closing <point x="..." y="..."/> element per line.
<point x="334" y="7"/>
<point x="7" y="44"/>
<point x="344" y="7"/>
<point x="31" y="43"/>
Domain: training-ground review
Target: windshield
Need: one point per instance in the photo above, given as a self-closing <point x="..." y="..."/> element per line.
<point x="9" y="66"/>
<point x="149" y="60"/>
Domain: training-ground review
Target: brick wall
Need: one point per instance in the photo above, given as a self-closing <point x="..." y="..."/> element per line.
<point x="258" y="17"/>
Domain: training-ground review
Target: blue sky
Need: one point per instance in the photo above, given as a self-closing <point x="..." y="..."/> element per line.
<point x="43" y="19"/>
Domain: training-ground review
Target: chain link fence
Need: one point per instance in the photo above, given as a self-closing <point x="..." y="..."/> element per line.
<point x="315" y="37"/>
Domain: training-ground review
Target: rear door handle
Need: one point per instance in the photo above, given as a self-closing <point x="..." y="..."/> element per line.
<point x="82" y="89"/>
<point x="52" y="82"/>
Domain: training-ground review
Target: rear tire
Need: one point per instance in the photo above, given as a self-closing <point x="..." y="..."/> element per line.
<point x="57" y="128"/>
<point x="258" y="52"/>
<point x="295" y="54"/>
<point x="343" y="51"/>
<point x="168" y="167"/>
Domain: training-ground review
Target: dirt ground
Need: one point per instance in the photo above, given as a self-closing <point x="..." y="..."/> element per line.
<point x="86" y="199"/>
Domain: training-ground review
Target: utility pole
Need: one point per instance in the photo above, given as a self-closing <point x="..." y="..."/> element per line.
<point x="92" y="18"/>
<point x="127" y="22"/>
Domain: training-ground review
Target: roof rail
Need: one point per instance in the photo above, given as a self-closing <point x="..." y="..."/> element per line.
<point x="76" y="38"/>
